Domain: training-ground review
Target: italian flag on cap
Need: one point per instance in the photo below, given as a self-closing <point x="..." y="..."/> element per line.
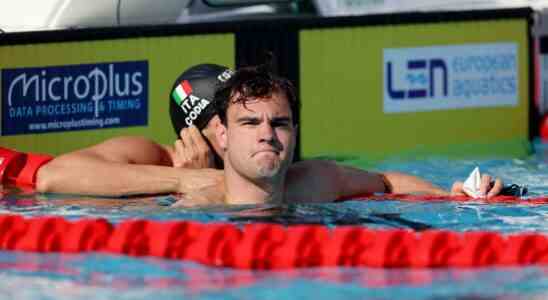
<point x="181" y="92"/>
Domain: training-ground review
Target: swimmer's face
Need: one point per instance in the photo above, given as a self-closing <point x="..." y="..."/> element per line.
<point x="259" y="137"/>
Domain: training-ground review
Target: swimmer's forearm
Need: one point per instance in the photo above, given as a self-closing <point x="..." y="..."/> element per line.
<point x="400" y="183"/>
<point x="106" y="179"/>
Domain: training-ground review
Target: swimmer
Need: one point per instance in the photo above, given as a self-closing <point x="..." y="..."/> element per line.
<point x="137" y="165"/>
<point x="258" y="134"/>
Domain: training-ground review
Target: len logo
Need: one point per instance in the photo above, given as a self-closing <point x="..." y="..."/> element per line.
<point x="425" y="78"/>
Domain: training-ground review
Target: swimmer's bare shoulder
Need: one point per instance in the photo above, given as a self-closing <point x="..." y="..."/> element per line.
<point x="311" y="181"/>
<point x="326" y="181"/>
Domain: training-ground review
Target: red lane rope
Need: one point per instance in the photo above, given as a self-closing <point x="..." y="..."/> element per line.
<point x="270" y="246"/>
<point x="438" y="198"/>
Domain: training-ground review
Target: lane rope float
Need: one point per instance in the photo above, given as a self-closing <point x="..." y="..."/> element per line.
<point x="271" y="246"/>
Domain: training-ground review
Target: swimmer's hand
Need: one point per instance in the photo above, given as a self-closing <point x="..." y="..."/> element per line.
<point x="204" y="187"/>
<point x="477" y="186"/>
<point x="200" y="179"/>
<point x="192" y="151"/>
<point x="205" y="197"/>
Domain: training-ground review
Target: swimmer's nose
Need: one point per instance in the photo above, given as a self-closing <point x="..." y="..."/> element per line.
<point x="266" y="133"/>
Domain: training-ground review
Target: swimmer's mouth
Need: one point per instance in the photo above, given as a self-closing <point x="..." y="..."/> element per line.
<point x="275" y="151"/>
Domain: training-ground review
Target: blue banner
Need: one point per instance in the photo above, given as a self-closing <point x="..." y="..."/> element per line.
<point x="74" y="97"/>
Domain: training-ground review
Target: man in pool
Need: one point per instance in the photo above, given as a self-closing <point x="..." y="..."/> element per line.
<point x="257" y="136"/>
<point x="136" y="165"/>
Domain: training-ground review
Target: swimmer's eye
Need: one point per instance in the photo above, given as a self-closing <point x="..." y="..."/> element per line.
<point x="275" y="123"/>
<point x="250" y="122"/>
<point x="281" y="123"/>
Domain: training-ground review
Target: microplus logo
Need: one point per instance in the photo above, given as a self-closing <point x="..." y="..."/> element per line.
<point x="86" y="96"/>
<point x="94" y="85"/>
<point x="449" y="77"/>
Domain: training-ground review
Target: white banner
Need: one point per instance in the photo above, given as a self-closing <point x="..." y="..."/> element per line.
<point x="331" y="8"/>
<point x="450" y="77"/>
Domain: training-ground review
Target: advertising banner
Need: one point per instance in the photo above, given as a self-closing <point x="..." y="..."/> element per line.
<point x="73" y="97"/>
<point x="433" y="88"/>
<point x="449" y="77"/>
<point x="62" y="96"/>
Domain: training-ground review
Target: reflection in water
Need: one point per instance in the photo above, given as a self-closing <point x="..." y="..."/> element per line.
<point x="125" y="274"/>
<point x="316" y="214"/>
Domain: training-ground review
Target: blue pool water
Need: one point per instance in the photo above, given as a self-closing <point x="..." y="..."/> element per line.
<point x="100" y="276"/>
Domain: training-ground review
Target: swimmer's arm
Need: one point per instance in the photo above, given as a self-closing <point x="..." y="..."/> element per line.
<point x="318" y="180"/>
<point x="400" y="183"/>
<point x="119" y="167"/>
<point x="353" y="181"/>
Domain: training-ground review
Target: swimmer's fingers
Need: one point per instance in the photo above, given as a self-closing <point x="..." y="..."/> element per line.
<point x="485" y="184"/>
<point x="190" y="144"/>
<point x="496" y="189"/>
<point x="186" y="137"/>
<point x="179" y="160"/>
<point x="457" y="189"/>
<point x="187" y="151"/>
<point x="204" y="157"/>
<point x="195" y="151"/>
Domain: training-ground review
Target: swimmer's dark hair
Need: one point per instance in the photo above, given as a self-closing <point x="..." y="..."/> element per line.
<point x="254" y="82"/>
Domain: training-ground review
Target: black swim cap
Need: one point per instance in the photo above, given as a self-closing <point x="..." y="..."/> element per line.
<point x="192" y="94"/>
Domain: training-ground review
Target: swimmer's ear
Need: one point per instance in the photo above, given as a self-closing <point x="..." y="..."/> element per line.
<point x="215" y="120"/>
<point x="220" y="134"/>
